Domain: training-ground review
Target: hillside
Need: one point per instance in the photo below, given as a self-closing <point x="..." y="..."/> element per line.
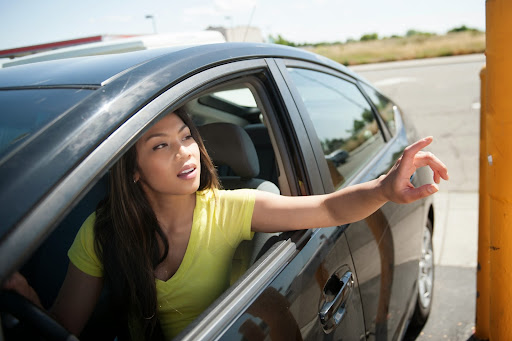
<point x="402" y="48"/>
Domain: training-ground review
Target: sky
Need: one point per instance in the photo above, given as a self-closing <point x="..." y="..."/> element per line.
<point x="31" y="22"/>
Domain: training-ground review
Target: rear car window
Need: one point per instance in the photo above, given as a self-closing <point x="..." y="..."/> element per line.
<point x="241" y="97"/>
<point x="343" y="120"/>
<point x="24" y="112"/>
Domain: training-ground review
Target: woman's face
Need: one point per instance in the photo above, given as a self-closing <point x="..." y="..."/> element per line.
<point x="168" y="159"/>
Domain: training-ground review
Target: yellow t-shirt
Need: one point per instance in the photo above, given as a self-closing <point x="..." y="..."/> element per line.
<point x="222" y="219"/>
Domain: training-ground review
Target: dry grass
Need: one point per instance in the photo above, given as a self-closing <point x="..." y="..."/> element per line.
<point x="414" y="47"/>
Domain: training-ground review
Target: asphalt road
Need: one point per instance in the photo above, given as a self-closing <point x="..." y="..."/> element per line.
<point x="441" y="97"/>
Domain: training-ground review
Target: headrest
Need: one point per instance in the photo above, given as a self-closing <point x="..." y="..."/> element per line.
<point x="230" y="145"/>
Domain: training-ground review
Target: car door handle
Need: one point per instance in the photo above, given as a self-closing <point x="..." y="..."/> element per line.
<point x="332" y="312"/>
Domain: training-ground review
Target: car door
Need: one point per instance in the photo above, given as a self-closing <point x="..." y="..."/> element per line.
<point x="385" y="246"/>
<point x="305" y="286"/>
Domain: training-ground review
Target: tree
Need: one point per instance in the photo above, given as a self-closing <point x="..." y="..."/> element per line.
<point x="358" y="125"/>
<point x="369" y="36"/>
<point x="368" y="116"/>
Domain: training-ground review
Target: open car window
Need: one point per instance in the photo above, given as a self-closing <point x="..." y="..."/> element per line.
<point x="235" y="108"/>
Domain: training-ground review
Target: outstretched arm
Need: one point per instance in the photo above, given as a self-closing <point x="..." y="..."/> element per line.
<point x="274" y="213"/>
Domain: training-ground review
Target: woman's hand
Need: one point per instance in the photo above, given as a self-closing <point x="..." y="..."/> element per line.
<point x="273" y="213"/>
<point x="396" y="184"/>
<point x="19" y="284"/>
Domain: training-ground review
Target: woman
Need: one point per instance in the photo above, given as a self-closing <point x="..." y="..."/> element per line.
<point x="165" y="227"/>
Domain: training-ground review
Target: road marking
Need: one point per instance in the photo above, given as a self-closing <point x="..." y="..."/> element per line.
<point x="393" y="81"/>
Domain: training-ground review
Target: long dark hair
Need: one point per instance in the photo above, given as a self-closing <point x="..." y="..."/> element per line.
<point x="130" y="242"/>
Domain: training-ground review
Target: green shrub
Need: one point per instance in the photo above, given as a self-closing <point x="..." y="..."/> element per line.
<point x="369" y="36"/>
<point x="413" y="33"/>
<point x="280" y="40"/>
<point x="463" y="28"/>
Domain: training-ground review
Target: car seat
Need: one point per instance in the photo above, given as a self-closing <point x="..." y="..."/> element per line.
<point x="230" y="145"/>
<point x="259" y="135"/>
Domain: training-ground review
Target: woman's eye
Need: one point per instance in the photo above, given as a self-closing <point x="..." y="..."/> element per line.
<point x="188" y="137"/>
<point x="160" y="146"/>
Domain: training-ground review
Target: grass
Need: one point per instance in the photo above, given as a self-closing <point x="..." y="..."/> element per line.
<point x="403" y="48"/>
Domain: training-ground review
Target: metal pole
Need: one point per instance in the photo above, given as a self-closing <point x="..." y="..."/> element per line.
<point x="153" y="21"/>
<point x="483" y="270"/>
<point x="499" y="147"/>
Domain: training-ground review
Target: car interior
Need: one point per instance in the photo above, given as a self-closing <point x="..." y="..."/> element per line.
<point x="236" y="137"/>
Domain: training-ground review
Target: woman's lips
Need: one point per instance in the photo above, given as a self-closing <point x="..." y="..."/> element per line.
<point x="188" y="173"/>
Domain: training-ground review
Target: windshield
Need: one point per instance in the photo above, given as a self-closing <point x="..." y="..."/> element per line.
<point x="24" y="112"/>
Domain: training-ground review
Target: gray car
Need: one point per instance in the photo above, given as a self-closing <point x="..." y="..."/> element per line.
<point x="65" y="123"/>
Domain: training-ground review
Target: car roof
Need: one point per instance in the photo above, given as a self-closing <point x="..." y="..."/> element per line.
<point x="98" y="70"/>
<point x="89" y="70"/>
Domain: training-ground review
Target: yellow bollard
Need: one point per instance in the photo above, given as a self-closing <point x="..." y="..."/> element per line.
<point x="483" y="270"/>
<point x="499" y="148"/>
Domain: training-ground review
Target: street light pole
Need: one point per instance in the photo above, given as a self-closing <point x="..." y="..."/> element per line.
<point x="153" y="20"/>
<point x="230" y="18"/>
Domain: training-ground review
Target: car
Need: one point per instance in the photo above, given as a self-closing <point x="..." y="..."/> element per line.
<point x="338" y="157"/>
<point x="64" y="123"/>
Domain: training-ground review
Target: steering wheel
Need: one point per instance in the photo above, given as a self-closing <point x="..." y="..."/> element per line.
<point x="31" y="315"/>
